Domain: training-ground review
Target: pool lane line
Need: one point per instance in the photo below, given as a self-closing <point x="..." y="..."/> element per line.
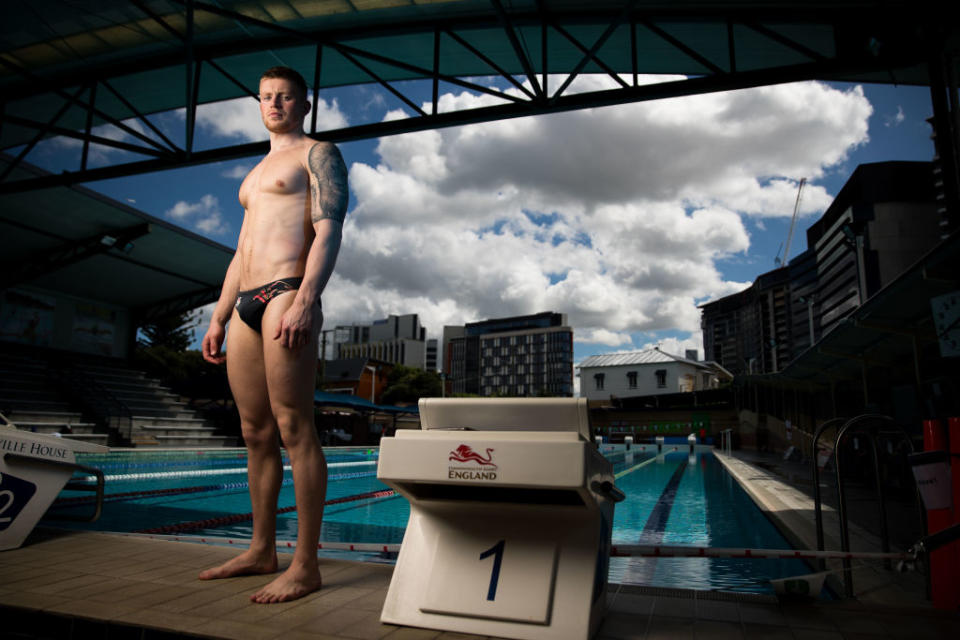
<point x="656" y="523"/>
<point x="210" y="523"/>
<point x="206" y="472"/>
<point x="72" y="501"/>
<point x="619" y="475"/>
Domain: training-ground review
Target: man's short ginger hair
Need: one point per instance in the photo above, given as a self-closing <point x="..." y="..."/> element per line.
<point x="287" y="73"/>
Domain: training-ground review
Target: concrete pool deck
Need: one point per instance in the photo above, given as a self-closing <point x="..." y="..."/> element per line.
<point x="72" y="584"/>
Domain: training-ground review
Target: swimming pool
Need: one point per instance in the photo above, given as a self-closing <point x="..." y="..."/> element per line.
<point x="675" y="498"/>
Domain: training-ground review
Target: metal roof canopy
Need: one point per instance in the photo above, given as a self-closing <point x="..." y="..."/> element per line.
<point x="349" y="401"/>
<point x="68" y="67"/>
<point x="75" y="241"/>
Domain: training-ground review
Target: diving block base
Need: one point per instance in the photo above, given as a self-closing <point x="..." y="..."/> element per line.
<point x="34" y="468"/>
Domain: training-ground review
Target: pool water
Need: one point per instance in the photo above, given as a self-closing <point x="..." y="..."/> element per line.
<point x="676" y="498"/>
<point x="683" y="499"/>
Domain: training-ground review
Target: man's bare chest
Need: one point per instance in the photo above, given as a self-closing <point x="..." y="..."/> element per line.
<point x="273" y="177"/>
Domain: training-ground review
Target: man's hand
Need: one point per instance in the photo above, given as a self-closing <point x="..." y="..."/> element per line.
<point x="297" y="323"/>
<point x="212" y="342"/>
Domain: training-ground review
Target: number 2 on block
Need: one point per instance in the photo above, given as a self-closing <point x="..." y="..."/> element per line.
<point x="497" y="552"/>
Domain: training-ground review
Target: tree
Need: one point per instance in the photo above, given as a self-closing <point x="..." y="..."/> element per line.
<point x="409" y="384"/>
<point x="174" y="331"/>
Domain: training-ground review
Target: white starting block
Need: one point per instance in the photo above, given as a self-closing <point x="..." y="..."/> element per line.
<point x="34" y="468"/>
<point x="511" y="511"/>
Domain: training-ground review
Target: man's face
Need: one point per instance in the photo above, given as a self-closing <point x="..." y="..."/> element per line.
<point x="281" y="105"/>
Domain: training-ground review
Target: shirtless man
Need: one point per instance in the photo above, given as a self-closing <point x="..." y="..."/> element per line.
<point x="294" y="203"/>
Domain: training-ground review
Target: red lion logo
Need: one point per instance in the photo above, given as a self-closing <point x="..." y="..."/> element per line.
<point x="464" y="453"/>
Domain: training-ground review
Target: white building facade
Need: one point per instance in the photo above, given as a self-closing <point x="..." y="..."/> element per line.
<point x="645" y="373"/>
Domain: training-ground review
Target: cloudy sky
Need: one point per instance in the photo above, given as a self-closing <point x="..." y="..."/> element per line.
<point x="625" y="218"/>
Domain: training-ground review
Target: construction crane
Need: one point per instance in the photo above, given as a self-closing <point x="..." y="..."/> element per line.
<point x="793" y="223"/>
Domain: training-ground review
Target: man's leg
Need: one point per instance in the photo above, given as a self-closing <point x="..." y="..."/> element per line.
<point x="246" y="372"/>
<point x="291" y="376"/>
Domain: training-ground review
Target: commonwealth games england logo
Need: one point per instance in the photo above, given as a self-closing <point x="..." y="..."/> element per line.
<point x="474" y="466"/>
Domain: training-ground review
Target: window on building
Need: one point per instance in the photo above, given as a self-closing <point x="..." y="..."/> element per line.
<point x="632" y="379"/>
<point x="661" y="378"/>
<point x="598" y="381"/>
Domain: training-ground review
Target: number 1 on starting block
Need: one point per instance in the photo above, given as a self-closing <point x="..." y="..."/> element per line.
<point x="505" y="578"/>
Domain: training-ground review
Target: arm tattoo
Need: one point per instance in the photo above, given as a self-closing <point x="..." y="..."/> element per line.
<point x="328" y="183"/>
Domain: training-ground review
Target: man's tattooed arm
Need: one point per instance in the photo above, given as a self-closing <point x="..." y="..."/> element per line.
<point x="328" y="183"/>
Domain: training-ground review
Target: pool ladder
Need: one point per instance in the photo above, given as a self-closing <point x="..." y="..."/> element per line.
<point x="867" y="425"/>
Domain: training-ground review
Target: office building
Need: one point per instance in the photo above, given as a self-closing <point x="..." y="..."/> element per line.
<point x="519" y="356"/>
<point x="395" y="339"/>
<point x="883" y="220"/>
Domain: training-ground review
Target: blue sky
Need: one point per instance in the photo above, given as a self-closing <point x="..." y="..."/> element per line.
<point x="625" y="218"/>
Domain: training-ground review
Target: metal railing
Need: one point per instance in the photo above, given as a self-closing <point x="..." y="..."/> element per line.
<point x="867" y="425"/>
<point x="108" y="410"/>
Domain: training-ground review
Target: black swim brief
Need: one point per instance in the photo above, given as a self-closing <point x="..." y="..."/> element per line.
<point x="251" y="304"/>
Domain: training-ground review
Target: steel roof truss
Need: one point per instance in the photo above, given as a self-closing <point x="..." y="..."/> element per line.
<point x="591" y="53"/>
<point x="80" y="103"/>
<point x="347" y="51"/>
<point x="177" y="304"/>
<point x="88" y="127"/>
<point x="731" y="47"/>
<point x="192" y="71"/>
<point x="70" y="133"/>
<point x="681" y="46"/>
<point x="383" y="83"/>
<point x="784" y="40"/>
<point x="40" y="134"/>
<point x="157" y="18"/>
<point x="142" y="118"/>
<point x="65" y="255"/>
<point x="490" y="63"/>
<point x="436" y="70"/>
<point x="318" y="65"/>
<point x="511" y="34"/>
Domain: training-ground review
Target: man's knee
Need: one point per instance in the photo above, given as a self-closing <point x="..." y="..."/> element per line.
<point x="294" y="426"/>
<point x="259" y="436"/>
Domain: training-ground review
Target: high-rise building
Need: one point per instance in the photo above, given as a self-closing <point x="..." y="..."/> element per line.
<point x="519" y="356"/>
<point x="395" y="339"/>
<point x="883" y="220"/>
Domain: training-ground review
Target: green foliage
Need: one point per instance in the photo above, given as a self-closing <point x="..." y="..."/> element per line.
<point x="174" y="331"/>
<point x="409" y="384"/>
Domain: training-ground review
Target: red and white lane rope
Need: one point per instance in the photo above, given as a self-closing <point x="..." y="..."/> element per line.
<point x="368" y="547"/>
<point x="152" y="475"/>
<point x="685" y="551"/>
<point x="617" y="550"/>
<point x="212" y="523"/>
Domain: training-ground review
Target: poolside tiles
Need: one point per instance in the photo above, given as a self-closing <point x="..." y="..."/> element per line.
<point x="92" y="585"/>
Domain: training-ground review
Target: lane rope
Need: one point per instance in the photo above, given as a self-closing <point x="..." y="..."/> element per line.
<point x="616" y="550"/>
<point x="205" y="472"/>
<point x="154" y="493"/>
<point x="212" y="523"/>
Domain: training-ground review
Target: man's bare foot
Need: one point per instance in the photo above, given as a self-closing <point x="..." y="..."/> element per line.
<point x="247" y="563"/>
<point x="293" y="583"/>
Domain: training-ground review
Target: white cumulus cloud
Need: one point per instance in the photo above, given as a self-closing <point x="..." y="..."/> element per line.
<point x="203" y="215"/>
<point x="239" y="118"/>
<point x="615" y="216"/>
